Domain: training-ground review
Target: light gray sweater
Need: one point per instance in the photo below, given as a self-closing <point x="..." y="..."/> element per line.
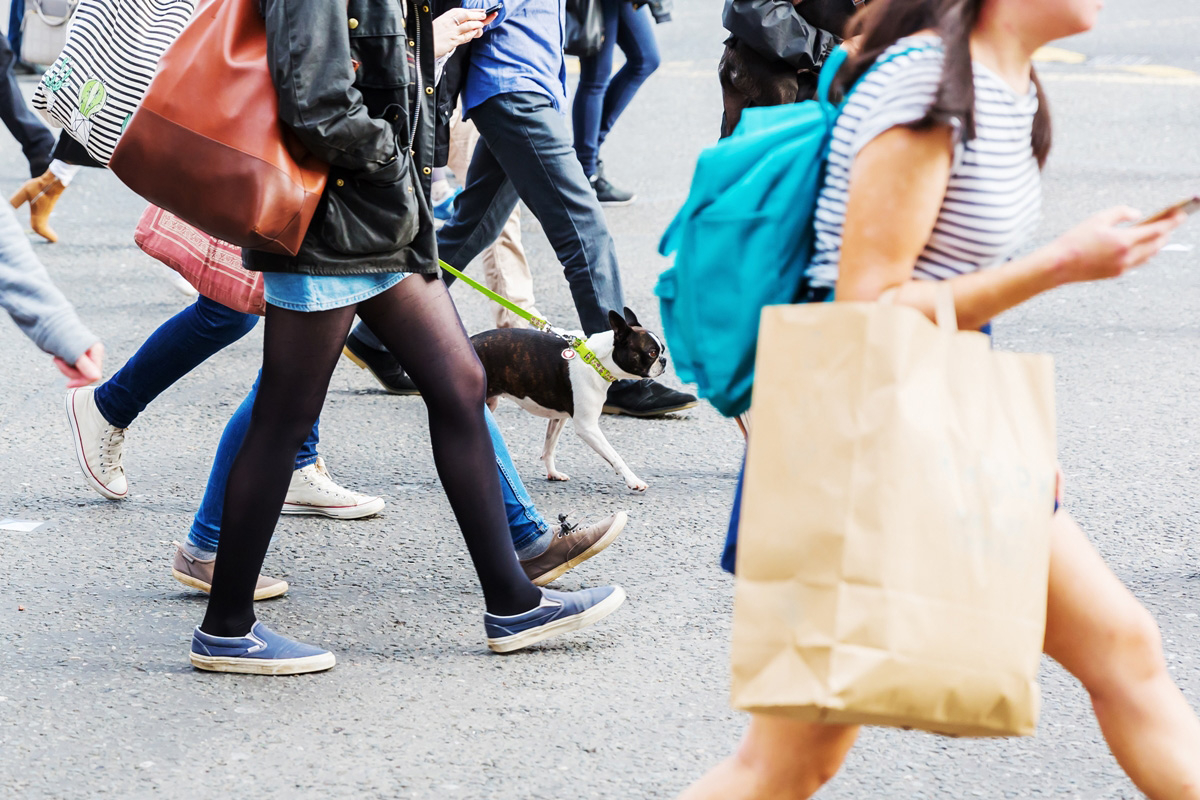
<point x="31" y="298"/>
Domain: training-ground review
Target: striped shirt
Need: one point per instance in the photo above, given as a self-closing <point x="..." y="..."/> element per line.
<point x="993" y="201"/>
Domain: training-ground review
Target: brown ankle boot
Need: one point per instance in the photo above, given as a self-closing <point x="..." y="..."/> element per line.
<point x="42" y="194"/>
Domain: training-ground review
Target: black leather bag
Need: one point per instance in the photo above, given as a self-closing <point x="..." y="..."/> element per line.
<point x="585" y="28"/>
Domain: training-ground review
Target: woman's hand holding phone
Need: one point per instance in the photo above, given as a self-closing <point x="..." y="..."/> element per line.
<point x="1107" y="246"/>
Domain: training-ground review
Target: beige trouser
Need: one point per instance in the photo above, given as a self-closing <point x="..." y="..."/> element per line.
<point x="505" y="268"/>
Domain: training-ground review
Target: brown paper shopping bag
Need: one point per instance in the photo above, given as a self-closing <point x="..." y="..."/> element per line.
<point x="893" y="551"/>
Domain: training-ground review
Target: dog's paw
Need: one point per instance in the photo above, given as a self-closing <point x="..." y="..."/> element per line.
<point x="637" y="485"/>
<point x="557" y="476"/>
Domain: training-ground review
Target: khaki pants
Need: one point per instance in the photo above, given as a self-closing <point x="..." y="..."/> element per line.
<point x="505" y="268"/>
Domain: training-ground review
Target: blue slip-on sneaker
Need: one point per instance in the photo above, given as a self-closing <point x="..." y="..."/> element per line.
<point x="445" y="209"/>
<point x="260" y="652"/>
<point x="559" y="612"/>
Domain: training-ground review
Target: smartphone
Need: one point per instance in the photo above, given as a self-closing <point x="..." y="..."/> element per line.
<point x="493" y="9"/>
<point x="1189" y="206"/>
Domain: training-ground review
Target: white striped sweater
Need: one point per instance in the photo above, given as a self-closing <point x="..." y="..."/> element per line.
<point x="993" y="201"/>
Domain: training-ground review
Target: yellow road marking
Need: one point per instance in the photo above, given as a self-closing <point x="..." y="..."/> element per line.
<point x="1056" y="55"/>
<point x="1192" y="80"/>
<point x="1161" y="71"/>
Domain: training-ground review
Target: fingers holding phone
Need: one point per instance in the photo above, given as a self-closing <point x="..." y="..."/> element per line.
<point x="1107" y="246"/>
<point x="458" y="26"/>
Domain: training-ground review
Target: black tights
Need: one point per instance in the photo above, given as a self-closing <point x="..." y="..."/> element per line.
<point x="418" y="323"/>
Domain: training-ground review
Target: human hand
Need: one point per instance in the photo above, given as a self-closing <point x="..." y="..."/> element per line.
<point x="457" y="27"/>
<point x="88" y="369"/>
<point x="1105" y="247"/>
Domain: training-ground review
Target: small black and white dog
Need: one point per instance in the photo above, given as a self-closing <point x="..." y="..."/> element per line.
<point x="544" y="376"/>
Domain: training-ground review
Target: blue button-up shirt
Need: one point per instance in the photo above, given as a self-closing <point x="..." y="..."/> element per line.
<point x="522" y="51"/>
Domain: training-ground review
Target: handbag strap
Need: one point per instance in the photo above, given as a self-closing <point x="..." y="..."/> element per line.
<point x="55" y="22"/>
<point x="943" y="305"/>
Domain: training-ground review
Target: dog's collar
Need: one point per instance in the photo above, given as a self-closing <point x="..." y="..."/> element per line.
<point x="576" y="344"/>
<point x="580" y="347"/>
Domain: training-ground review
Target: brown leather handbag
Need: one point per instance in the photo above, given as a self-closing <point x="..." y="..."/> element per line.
<point x="207" y="143"/>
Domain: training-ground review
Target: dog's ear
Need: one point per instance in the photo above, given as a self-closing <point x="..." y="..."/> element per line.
<point x="631" y="318"/>
<point x="619" y="326"/>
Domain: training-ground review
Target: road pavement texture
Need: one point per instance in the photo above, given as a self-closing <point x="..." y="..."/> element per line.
<point x="96" y="694"/>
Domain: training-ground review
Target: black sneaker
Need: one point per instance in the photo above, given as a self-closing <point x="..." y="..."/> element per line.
<point x="606" y="193"/>
<point x="379" y="363"/>
<point x="645" y="398"/>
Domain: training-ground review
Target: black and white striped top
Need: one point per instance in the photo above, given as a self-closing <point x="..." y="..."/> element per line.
<point x="993" y="202"/>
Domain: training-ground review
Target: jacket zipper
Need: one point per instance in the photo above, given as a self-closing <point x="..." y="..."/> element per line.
<point x="412" y="138"/>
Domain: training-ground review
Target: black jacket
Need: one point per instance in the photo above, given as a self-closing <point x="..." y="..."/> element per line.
<point x="775" y="30"/>
<point x="355" y="83"/>
<point x="660" y="9"/>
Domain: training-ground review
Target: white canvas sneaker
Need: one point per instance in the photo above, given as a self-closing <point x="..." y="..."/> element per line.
<point x="98" y="445"/>
<point x="313" y="491"/>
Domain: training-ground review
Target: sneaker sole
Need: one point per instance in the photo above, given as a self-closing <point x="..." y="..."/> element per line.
<point x="363" y="365"/>
<point x="518" y="641"/>
<point x="618" y="203"/>
<point x="336" y="512"/>
<point x="264" y="666"/>
<point x="658" y="412"/>
<point x="265" y="593"/>
<point x="91" y="479"/>
<point x="599" y="545"/>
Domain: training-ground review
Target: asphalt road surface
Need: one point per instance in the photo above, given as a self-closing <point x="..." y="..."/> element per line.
<point x="96" y="694"/>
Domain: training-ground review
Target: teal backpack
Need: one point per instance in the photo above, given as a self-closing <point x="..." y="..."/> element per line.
<point x="743" y="240"/>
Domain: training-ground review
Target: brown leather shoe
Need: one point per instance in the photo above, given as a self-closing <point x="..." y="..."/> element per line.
<point x="193" y="572"/>
<point x="42" y="194"/>
<point x="572" y="545"/>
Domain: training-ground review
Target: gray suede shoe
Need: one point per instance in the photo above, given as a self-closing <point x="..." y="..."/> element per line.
<point x="197" y="573"/>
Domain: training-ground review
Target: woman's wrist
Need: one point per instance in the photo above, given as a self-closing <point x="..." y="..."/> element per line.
<point x="1055" y="265"/>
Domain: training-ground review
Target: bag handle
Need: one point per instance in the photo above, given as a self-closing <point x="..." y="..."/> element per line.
<point x="55" y="22"/>
<point x="943" y="305"/>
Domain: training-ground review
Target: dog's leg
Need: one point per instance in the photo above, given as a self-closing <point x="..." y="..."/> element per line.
<point x="588" y="428"/>
<point x="553" y="430"/>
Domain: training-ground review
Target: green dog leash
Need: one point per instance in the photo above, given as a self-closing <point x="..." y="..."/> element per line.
<point x="576" y="345"/>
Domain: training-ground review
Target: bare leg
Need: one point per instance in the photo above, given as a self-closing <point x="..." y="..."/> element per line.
<point x="779" y="759"/>
<point x="1106" y="638"/>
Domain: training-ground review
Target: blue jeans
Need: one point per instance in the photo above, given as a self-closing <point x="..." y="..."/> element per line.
<point x="179" y="345"/>
<point x="602" y="96"/>
<point x="525" y="153"/>
<point x="525" y="524"/>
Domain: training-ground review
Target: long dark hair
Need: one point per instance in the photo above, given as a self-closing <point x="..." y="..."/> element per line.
<point x="883" y="22"/>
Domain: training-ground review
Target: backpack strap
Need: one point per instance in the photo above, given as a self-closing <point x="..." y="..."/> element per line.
<point x="828" y="72"/>
<point x="837" y="59"/>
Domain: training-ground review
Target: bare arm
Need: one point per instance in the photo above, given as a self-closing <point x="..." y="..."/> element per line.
<point x="897" y="185"/>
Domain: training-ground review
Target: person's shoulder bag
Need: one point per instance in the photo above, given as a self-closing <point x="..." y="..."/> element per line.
<point x="207" y="143"/>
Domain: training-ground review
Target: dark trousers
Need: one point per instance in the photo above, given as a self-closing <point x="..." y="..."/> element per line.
<point x="37" y="142"/>
<point x="525" y="153"/>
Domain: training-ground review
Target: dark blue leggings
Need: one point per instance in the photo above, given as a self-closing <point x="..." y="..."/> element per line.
<point x="602" y="96"/>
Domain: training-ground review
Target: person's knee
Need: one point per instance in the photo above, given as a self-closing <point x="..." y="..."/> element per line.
<point x="222" y="322"/>
<point x="1132" y="655"/>
<point x="647" y="63"/>
<point x="789" y="759"/>
<point x="464" y="391"/>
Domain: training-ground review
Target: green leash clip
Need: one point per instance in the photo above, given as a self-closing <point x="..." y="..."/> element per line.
<point x="575" y="343"/>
